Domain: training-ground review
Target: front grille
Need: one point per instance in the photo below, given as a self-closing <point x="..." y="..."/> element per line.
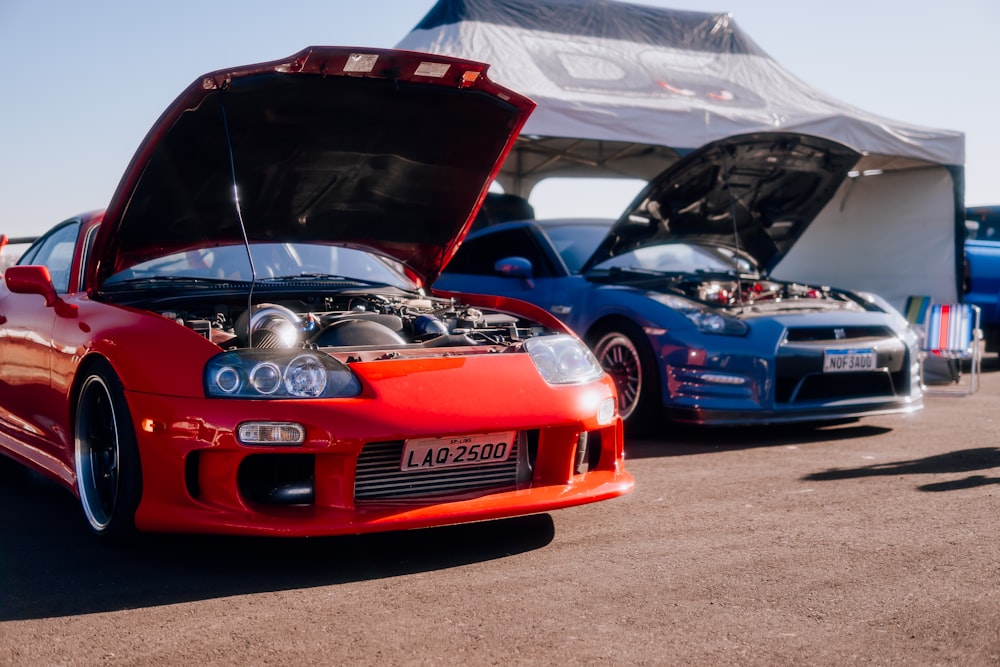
<point x="379" y="477"/>
<point x="826" y="333"/>
<point x="833" y="386"/>
<point x="799" y="375"/>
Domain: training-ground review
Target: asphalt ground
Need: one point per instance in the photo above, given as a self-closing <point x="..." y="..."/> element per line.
<point x="869" y="542"/>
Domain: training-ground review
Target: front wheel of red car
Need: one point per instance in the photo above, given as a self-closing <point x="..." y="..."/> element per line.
<point x="625" y="356"/>
<point x="108" y="477"/>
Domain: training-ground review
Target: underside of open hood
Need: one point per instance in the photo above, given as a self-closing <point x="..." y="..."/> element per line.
<point x="757" y="192"/>
<point x="388" y="151"/>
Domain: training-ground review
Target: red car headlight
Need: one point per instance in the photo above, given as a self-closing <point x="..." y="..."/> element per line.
<point x="278" y="373"/>
<point x="563" y="359"/>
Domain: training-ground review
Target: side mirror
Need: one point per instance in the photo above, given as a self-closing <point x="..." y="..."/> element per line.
<point x="515" y="267"/>
<point x="36" y="280"/>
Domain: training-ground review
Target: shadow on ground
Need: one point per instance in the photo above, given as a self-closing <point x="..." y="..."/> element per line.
<point x="683" y="440"/>
<point x="51" y="566"/>
<point x="961" y="461"/>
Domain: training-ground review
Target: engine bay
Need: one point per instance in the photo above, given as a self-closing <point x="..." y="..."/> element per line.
<point x="347" y="322"/>
<point x="748" y="292"/>
<point x="726" y="290"/>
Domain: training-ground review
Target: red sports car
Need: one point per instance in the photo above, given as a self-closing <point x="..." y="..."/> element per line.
<point x="244" y="343"/>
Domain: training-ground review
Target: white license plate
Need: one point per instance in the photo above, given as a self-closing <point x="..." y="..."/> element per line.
<point x="837" y="361"/>
<point x="463" y="450"/>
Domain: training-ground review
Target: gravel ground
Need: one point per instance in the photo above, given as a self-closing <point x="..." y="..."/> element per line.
<point x="872" y="542"/>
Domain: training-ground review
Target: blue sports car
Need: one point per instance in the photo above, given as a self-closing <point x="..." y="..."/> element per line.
<point x="675" y="299"/>
<point x="982" y="269"/>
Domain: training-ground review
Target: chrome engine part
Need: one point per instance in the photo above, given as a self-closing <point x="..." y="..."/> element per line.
<point x="270" y="325"/>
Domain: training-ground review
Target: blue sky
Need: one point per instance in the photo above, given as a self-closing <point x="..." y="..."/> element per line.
<point x="83" y="81"/>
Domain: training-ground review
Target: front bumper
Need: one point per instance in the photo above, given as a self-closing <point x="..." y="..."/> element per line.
<point x="785" y="382"/>
<point x="198" y="478"/>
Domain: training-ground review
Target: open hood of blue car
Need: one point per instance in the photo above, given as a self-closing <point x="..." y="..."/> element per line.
<point x="756" y="192"/>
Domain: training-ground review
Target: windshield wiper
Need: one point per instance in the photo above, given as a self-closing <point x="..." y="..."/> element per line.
<point x="636" y="269"/>
<point x="169" y="280"/>
<point x="323" y="277"/>
<point x="635" y="274"/>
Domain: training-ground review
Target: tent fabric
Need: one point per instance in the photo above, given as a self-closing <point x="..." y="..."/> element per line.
<point x="884" y="235"/>
<point x="618" y="72"/>
<point x="625" y="90"/>
<point x="603" y="20"/>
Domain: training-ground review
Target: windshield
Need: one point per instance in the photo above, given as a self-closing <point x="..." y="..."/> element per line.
<point x="576" y="243"/>
<point x="270" y="261"/>
<point x="679" y="258"/>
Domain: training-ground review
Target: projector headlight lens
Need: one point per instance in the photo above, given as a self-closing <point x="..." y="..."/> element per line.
<point x="305" y="376"/>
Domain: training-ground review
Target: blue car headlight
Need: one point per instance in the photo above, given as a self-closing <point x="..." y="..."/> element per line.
<point x="562" y="359"/>
<point x="278" y="373"/>
<point x="706" y="320"/>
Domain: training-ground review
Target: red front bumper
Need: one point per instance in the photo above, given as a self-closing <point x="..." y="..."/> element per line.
<point x="194" y="469"/>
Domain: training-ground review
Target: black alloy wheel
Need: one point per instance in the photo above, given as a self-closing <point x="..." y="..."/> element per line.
<point x="108" y="476"/>
<point x="624" y="354"/>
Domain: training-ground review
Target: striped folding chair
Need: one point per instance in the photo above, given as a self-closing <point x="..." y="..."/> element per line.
<point x="933" y="369"/>
<point x="915" y="311"/>
<point x="952" y="332"/>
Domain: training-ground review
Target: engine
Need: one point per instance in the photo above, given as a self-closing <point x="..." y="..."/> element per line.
<point x="370" y="320"/>
<point x="748" y="292"/>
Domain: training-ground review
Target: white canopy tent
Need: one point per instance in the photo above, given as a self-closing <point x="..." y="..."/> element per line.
<point x="624" y="90"/>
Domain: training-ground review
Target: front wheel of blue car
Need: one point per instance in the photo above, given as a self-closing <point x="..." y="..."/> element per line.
<point x="108" y="477"/>
<point x="625" y="356"/>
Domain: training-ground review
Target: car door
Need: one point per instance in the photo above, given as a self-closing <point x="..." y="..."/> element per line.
<point x="29" y="405"/>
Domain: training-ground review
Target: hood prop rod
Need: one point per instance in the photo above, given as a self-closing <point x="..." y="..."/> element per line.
<point x="239" y="216"/>
<point x="736" y="231"/>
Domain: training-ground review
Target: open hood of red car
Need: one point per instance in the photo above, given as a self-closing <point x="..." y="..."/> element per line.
<point x="757" y="192"/>
<point x="388" y="151"/>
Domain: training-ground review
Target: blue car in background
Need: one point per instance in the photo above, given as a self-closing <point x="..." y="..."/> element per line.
<point x="982" y="269"/>
<point x="675" y="301"/>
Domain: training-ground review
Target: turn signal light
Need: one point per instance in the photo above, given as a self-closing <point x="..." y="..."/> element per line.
<point x="271" y="433"/>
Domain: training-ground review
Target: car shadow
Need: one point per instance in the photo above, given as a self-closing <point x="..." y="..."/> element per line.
<point x="684" y="440"/>
<point x="960" y="461"/>
<point x="53" y="567"/>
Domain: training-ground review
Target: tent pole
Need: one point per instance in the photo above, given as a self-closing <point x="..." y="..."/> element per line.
<point x="518" y="182"/>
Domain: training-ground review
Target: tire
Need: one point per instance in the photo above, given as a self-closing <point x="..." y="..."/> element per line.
<point x="108" y="472"/>
<point x="624" y="354"/>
